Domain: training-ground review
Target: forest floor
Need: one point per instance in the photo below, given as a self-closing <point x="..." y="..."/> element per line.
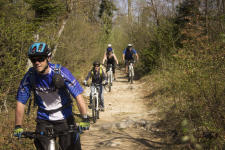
<point x="128" y="122"/>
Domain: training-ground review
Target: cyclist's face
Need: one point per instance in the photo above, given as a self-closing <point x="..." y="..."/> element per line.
<point x="129" y="48"/>
<point x="97" y="68"/>
<point x="39" y="63"/>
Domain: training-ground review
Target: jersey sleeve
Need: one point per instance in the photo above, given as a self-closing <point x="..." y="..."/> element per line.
<point x="24" y="89"/>
<point x="71" y="82"/>
<point x="124" y="51"/>
<point x="134" y="51"/>
<point x="88" y="76"/>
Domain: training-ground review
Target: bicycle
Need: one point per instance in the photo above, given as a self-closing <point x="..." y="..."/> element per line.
<point x="110" y="77"/>
<point x="52" y="135"/>
<point x="131" y="71"/>
<point x="95" y="101"/>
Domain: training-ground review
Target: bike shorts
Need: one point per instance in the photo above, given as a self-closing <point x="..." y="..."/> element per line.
<point x="69" y="141"/>
<point x="113" y="68"/>
<point x="128" y="61"/>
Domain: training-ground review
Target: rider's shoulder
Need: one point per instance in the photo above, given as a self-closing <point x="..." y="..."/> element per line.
<point x="134" y="50"/>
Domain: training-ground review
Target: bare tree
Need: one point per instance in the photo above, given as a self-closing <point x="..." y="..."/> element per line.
<point x="129" y="12"/>
<point x="155" y="10"/>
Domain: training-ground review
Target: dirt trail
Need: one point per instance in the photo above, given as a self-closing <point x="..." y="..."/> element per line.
<point x="124" y="124"/>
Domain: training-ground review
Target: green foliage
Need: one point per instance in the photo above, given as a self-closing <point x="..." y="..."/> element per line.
<point x="106" y="14"/>
<point x="47" y="9"/>
<point x="194" y="79"/>
<point x="80" y="46"/>
<point x="15" y="37"/>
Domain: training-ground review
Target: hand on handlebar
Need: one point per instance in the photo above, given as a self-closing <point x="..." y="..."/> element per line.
<point x="85" y="124"/>
<point x="18" y="131"/>
<point x="85" y="82"/>
<point x="105" y="82"/>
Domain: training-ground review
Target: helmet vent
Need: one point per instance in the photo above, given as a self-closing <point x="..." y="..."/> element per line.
<point x="34" y="49"/>
<point x="40" y="47"/>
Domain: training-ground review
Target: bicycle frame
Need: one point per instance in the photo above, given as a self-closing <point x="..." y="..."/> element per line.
<point x="95" y="95"/>
<point x="95" y="101"/>
<point x="110" y="77"/>
<point x="131" y="71"/>
<point x="110" y="74"/>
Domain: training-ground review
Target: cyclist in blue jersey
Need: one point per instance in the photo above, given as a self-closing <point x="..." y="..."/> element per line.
<point x="98" y="76"/>
<point x="128" y="55"/>
<point x="52" y="88"/>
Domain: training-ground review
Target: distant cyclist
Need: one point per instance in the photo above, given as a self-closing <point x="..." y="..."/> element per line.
<point x="110" y="58"/>
<point x="98" y="76"/>
<point x="128" y="55"/>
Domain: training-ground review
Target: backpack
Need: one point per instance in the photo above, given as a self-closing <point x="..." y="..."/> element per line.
<point x="57" y="81"/>
<point x="129" y="54"/>
<point x="101" y="71"/>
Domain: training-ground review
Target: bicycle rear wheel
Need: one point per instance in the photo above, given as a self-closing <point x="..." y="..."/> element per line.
<point x="97" y="114"/>
<point x="110" y="86"/>
<point x="131" y="79"/>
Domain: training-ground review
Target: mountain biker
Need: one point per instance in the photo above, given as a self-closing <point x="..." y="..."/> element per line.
<point x="128" y="53"/>
<point x="52" y="96"/>
<point x="98" y="76"/>
<point x="111" y="59"/>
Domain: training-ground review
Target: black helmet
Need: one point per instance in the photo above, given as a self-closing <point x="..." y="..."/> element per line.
<point x="96" y="63"/>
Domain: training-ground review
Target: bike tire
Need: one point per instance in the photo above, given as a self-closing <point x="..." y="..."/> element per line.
<point x="131" y="79"/>
<point x="97" y="114"/>
<point x="93" y="110"/>
<point x="110" y="86"/>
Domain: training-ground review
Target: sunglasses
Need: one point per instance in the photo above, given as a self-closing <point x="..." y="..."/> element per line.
<point x="39" y="59"/>
<point x="97" y="66"/>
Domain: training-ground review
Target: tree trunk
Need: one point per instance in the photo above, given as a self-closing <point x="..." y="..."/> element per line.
<point x="206" y="16"/>
<point x="70" y="4"/>
<point x="155" y="10"/>
<point x="129" y="12"/>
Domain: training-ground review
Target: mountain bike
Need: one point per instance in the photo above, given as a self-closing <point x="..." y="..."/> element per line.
<point x="110" y="77"/>
<point x="52" y="135"/>
<point x="95" y="97"/>
<point x="131" y="71"/>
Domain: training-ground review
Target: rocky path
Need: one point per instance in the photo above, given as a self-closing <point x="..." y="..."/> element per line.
<point x="126" y="122"/>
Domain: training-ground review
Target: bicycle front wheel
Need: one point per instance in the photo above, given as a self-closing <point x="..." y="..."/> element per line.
<point x="94" y="117"/>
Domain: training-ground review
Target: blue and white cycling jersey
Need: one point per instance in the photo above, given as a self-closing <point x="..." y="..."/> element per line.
<point x="46" y="96"/>
<point x="129" y="54"/>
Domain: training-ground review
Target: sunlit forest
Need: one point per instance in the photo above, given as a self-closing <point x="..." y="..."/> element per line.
<point x="181" y="44"/>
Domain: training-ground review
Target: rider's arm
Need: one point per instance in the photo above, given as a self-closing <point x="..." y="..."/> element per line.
<point x="137" y="56"/>
<point x="20" y="107"/>
<point x="81" y="104"/>
<point x="23" y="95"/>
<point x="104" y="58"/>
<point x="123" y="56"/>
<point x="116" y="59"/>
<point x="88" y="76"/>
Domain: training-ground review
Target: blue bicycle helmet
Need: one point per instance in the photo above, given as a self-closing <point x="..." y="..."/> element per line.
<point x="109" y="49"/>
<point x="39" y="49"/>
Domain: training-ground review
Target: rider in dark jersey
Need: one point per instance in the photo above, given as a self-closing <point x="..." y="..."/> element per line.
<point x="110" y="58"/>
<point x="98" y="76"/>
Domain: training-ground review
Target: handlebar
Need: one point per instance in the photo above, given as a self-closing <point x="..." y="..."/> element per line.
<point x="132" y="61"/>
<point x="95" y="84"/>
<point x="51" y="133"/>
